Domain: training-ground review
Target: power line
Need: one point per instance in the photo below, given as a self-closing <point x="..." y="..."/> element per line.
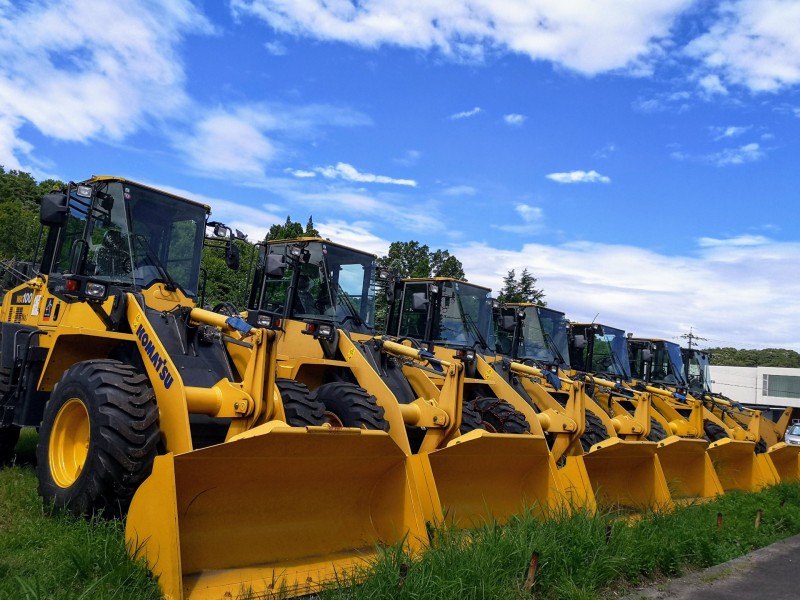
<point x="691" y="337"/>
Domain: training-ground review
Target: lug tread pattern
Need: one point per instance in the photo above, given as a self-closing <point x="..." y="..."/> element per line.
<point x="124" y="435"/>
<point x="501" y="416"/>
<point x="300" y="408"/>
<point x="352" y="404"/>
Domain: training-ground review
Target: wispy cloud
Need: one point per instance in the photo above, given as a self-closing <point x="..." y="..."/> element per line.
<point x="605" y="151"/>
<point x="466" y="114"/>
<point x="460" y="190"/>
<point x="246" y="138"/>
<point x="300" y="173"/>
<point x="350" y="173"/>
<point x="737" y="242"/>
<point x="514" y="119"/>
<point x="275" y="48"/>
<point x="116" y="70"/>
<point x="531" y="220"/>
<point x="728" y="157"/>
<point x="409" y="159"/>
<point x="731" y="131"/>
<point x="579" y="177"/>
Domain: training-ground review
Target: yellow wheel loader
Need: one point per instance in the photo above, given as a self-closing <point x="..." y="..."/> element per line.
<point x="768" y="433"/>
<point x="601" y="352"/>
<point x="320" y="299"/>
<point x="657" y="364"/>
<point x="143" y="407"/>
<point x="533" y="357"/>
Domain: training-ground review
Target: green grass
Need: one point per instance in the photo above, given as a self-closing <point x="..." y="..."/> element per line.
<point x="46" y="554"/>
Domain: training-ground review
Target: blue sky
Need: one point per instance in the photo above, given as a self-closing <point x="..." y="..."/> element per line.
<point x="639" y="158"/>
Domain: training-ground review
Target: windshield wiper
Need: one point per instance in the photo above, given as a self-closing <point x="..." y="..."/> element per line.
<point x="154" y="260"/>
<point x="471" y="323"/>
<point x="345" y="299"/>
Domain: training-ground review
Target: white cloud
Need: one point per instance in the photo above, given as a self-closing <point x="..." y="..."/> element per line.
<point x="589" y="36"/>
<point x="731" y="131"/>
<point x="711" y="85"/>
<point x="735" y="242"/>
<point x="350" y="173"/>
<point x="725" y="158"/>
<point x="275" y="48"/>
<point x="605" y="151"/>
<point x="514" y="119"/>
<point x="726" y="290"/>
<point x="355" y="235"/>
<point x="409" y="159"/>
<point x="579" y="177"/>
<point x="242" y="139"/>
<point x="300" y="173"/>
<point x="80" y="70"/>
<point x="754" y="43"/>
<point x="466" y="114"/>
<point x="460" y="190"/>
<point x="529" y="214"/>
<point x="737" y="156"/>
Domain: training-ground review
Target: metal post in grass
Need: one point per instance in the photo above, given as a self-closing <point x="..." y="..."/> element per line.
<point x="758" y="519"/>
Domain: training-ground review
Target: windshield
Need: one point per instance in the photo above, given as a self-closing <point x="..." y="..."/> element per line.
<point x="793" y="430"/>
<point x="610" y="353"/>
<point x="331" y="282"/>
<point x="131" y="235"/>
<point x="668" y="365"/>
<point x="543" y="337"/>
<point x="698" y="371"/>
<point x="463" y="318"/>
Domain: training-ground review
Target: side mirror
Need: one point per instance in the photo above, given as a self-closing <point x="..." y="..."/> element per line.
<point x="419" y="302"/>
<point x="276" y="265"/>
<point x="53" y="210"/>
<point x="579" y="341"/>
<point x="508" y="323"/>
<point x="232" y="256"/>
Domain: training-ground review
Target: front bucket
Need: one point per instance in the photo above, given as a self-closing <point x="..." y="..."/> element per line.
<point x="286" y="512"/>
<point x="786" y="460"/>
<point x="739" y="467"/>
<point x="627" y="475"/>
<point x="484" y="477"/>
<point x="688" y="469"/>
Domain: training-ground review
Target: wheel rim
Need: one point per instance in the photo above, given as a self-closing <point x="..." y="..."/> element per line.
<point x="333" y="419"/>
<point x="69" y="442"/>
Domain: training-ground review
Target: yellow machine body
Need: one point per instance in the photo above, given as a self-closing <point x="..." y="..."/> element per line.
<point x="621" y="473"/>
<point x="739" y="468"/>
<point x="786" y="460"/>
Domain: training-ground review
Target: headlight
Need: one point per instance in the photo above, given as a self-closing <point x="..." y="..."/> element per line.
<point x="95" y="290"/>
<point x="84" y="191"/>
<point x="264" y="321"/>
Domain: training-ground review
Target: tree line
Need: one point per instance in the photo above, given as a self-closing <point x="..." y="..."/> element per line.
<point x="767" y="357"/>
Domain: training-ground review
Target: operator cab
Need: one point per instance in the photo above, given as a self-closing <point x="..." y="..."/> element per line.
<point x="657" y="362"/>
<point x="441" y="312"/>
<point x="314" y="280"/>
<point x="113" y="233"/>
<point x="599" y="349"/>
<point x="532" y="334"/>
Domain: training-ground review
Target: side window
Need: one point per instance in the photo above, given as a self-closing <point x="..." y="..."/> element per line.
<point x="72" y="232"/>
<point x="412" y="322"/>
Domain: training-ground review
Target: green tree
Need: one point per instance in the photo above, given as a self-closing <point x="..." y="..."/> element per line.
<point x="768" y="357"/>
<point x="412" y="259"/>
<point x="291" y="230"/>
<point x="19" y="213"/>
<point x="523" y="290"/>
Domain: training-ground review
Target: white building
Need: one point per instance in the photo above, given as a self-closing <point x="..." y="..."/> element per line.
<point x="760" y="387"/>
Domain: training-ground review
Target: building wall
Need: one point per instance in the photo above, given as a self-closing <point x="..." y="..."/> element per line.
<point x="758" y="386"/>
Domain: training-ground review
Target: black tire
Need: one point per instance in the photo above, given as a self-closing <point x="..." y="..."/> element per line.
<point x="301" y="410"/>
<point x="713" y="431"/>
<point x="470" y="417"/>
<point x="116" y="405"/>
<point x="594" y="432"/>
<point x="500" y="417"/>
<point x="9" y="434"/>
<point x="348" y="405"/>
<point x="657" y="431"/>
<point x="761" y="446"/>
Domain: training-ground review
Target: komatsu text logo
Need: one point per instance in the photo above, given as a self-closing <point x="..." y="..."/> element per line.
<point x="159" y="363"/>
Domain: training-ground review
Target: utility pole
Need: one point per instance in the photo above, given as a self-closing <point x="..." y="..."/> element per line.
<point x="692" y="337"/>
